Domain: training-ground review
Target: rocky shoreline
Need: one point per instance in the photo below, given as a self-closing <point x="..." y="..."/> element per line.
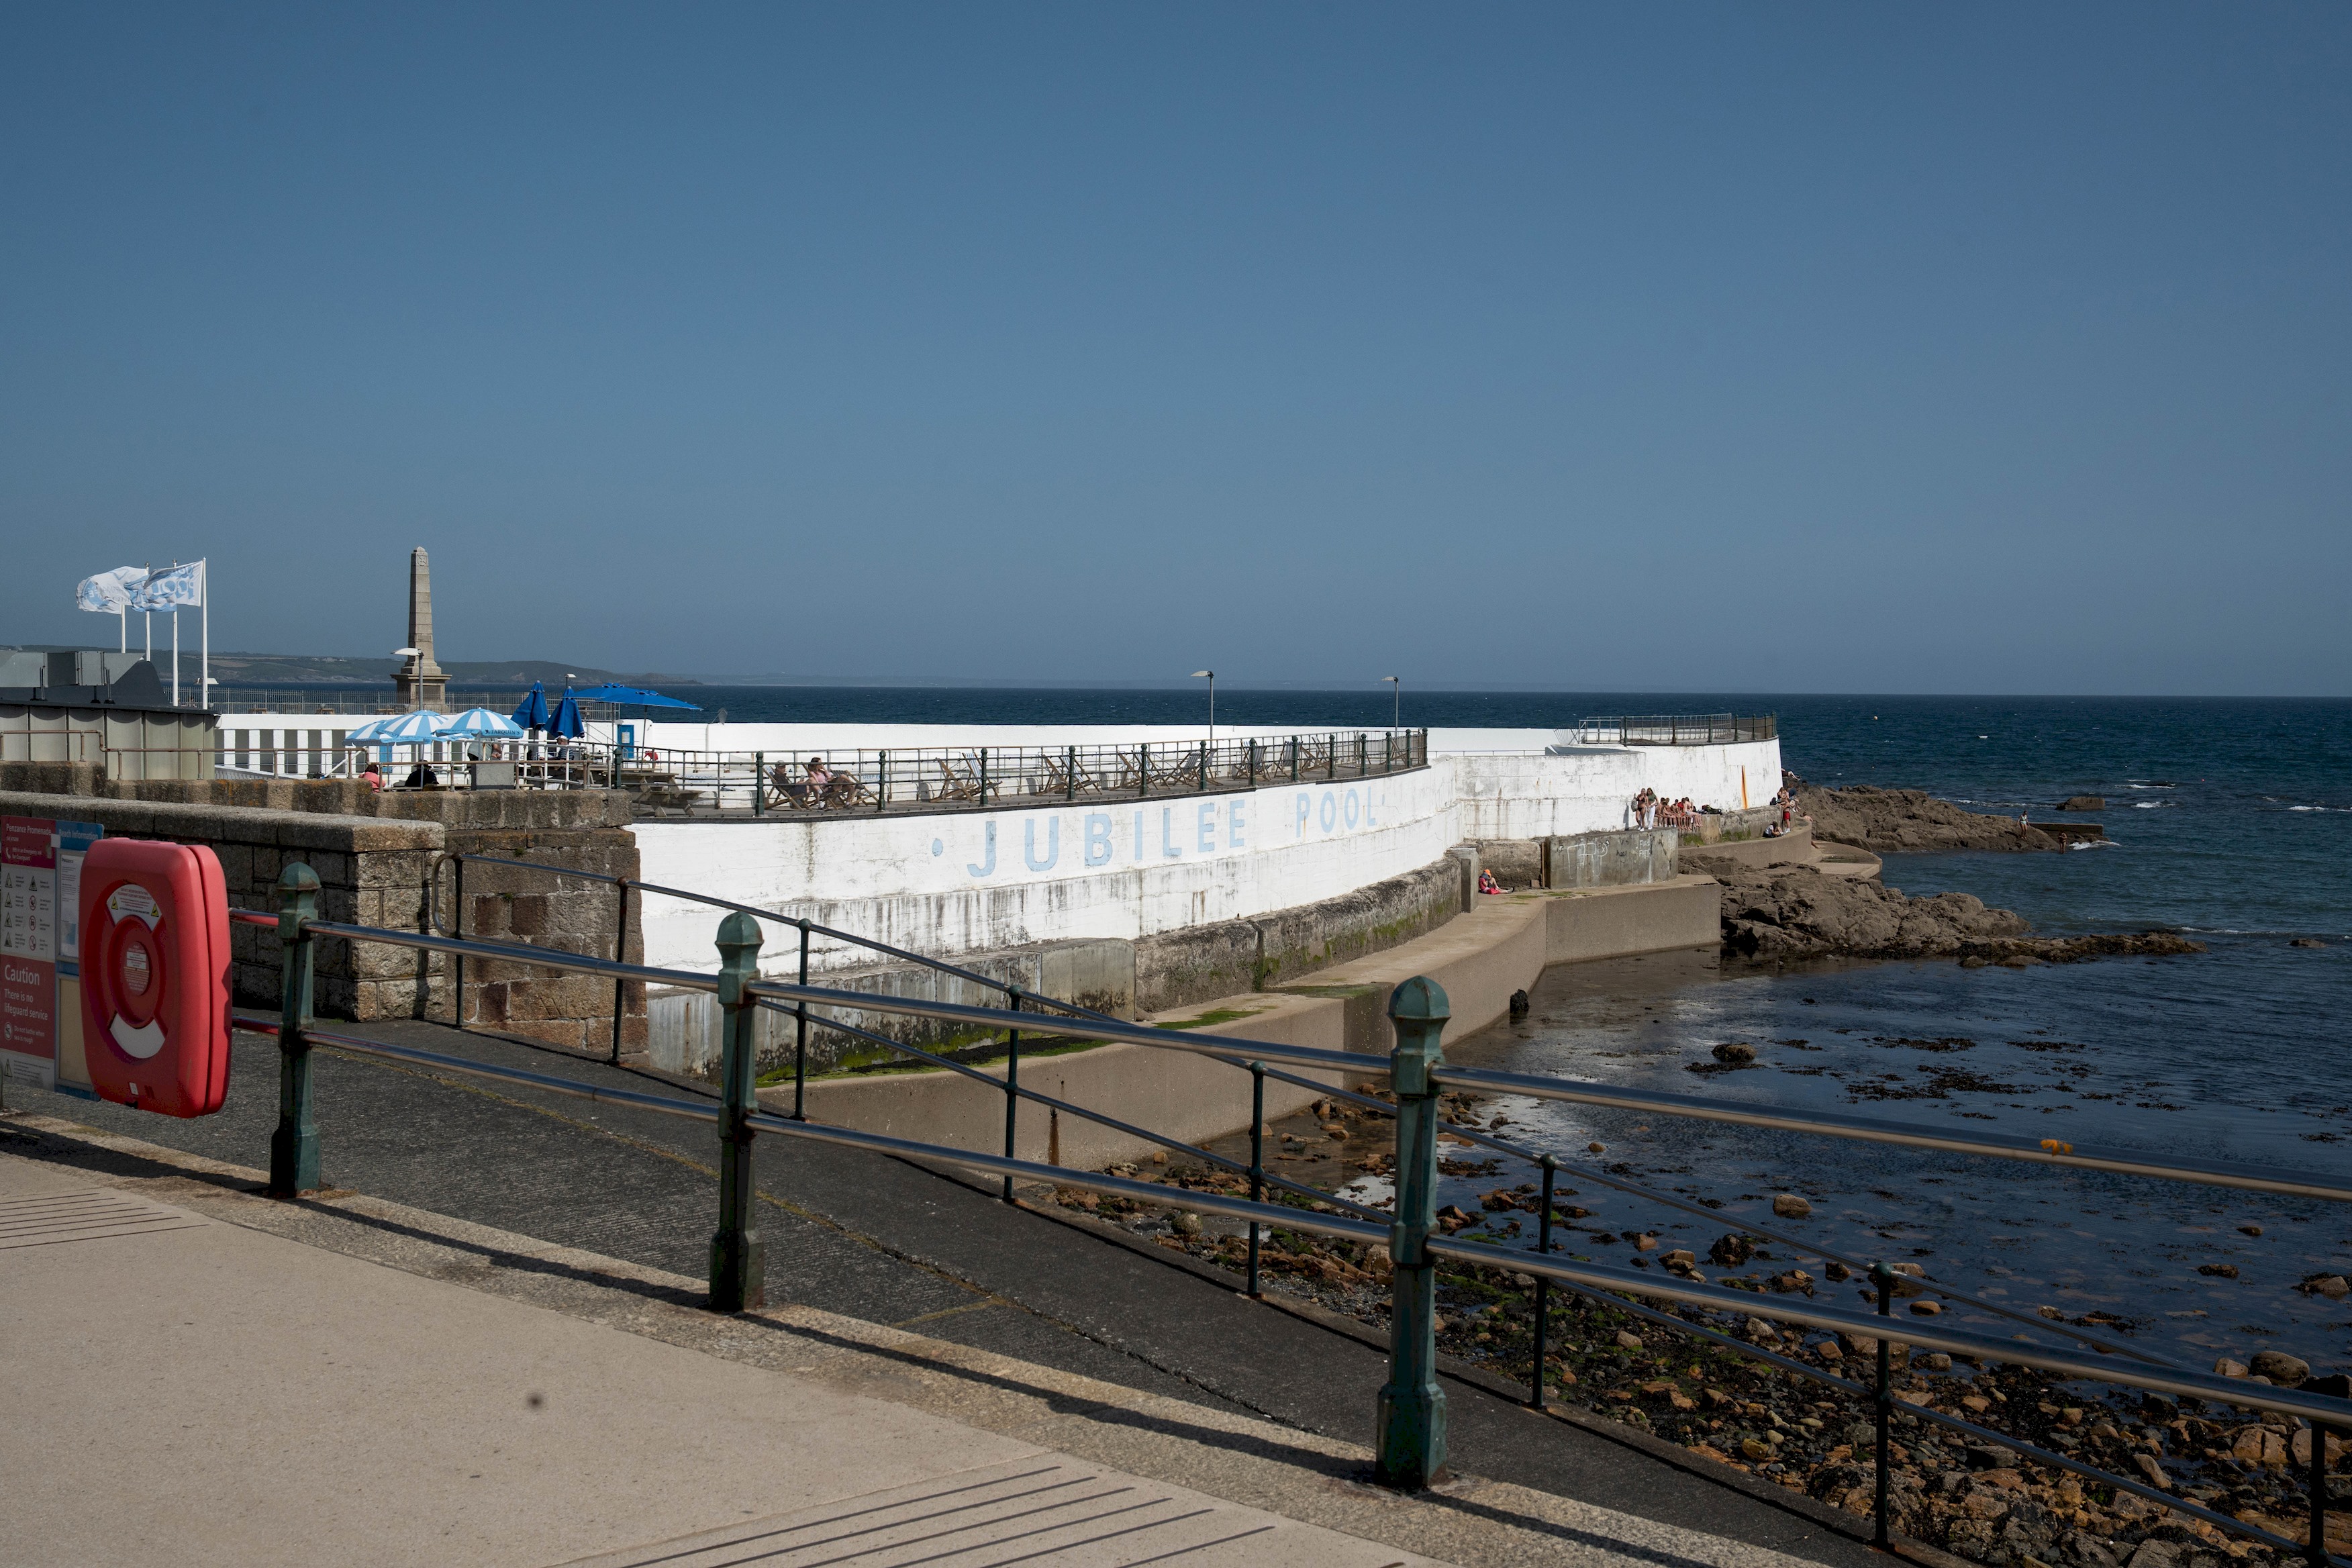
<point x="1786" y="913"/>
<point x="1969" y="1497"/>
<point x="1793" y="913"/>
<point x="1907" y="821"/>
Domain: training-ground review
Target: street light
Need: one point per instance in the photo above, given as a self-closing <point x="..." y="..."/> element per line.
<point x="1211" y="676"/>
<point x="1396" y="699"/>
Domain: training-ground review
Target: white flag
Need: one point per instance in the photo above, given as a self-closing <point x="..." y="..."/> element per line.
<point x="109" y="593"/>
<point x="171" y="587"/>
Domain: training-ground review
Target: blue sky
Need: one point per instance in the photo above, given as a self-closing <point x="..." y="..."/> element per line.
<point x="1783" y="349"/>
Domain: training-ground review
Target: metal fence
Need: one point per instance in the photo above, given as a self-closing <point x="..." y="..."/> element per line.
<point x="1680" y="728"/>
<point x="966" y="778"/>
<point x="1410" y="1436"/>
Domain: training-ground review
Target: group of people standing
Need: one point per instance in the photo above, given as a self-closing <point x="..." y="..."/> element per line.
<point x="1651" y="810"/>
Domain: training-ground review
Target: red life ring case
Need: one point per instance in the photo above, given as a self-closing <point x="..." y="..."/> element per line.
<point x="154" y="975"/>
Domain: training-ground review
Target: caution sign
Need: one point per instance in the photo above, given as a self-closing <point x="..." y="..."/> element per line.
<point x="28" y="951"/>
<point x="153" y="933"/>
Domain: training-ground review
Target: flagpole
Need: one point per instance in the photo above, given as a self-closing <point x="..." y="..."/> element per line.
<point x="204" y="657"/>
<point x="175" y="655"/>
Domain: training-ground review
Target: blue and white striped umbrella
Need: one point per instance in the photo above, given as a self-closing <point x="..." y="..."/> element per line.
<point x="413" y="728"/>
<point x="478" y="724"/>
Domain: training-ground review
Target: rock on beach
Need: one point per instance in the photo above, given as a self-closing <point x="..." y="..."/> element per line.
<point x="1899" y="821"/>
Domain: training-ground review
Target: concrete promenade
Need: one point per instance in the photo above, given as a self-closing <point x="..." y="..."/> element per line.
<point x="197" y="1374"/>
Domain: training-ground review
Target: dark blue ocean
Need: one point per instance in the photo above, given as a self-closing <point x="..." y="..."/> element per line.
<point x="2229" y="819"/>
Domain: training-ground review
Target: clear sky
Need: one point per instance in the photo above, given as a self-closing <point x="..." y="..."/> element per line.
<point x="1769" y="348"/>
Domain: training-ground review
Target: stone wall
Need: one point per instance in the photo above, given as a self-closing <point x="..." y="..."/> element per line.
<point x="1611" y="859"/>
<point x="374" y="858"/>
<point x="1098" y="972"/>
<point x="1175" y="969"/>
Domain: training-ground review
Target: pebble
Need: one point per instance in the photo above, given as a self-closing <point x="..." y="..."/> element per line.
<point x="1788" y="1206"/>
<point x="1733" y="1053"/>
<point x="1650" y="1243"/>
<point x="2250" y="1230"/>
<point x="1927" y="1309"/>
<point x="2281" y="1368"/>
<point x="1186" y="1223"/>
<point x="1628" y="1341"/>
<point x="1596" y="1148"/>
<point x="2334" y="1287"/>
<point x="2225" y="1367"/>
<point x="2218" y="1270"/>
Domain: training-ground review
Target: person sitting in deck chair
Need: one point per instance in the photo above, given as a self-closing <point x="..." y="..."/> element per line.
<point x="820" y="778"/>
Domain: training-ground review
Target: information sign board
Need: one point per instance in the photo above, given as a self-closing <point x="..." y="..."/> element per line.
<point x="28" y="951"/>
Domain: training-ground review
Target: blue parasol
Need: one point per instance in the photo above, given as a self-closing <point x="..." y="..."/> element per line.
<point x="632" y="696"/>
<point x="567" y="719"/>
<point x="414" y="728"/>
<point x="533" y="712"/>
<point x="479" y="724"/>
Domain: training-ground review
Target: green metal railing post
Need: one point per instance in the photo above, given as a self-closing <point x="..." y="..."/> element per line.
<point x="1070" y="775"/>
<point x="1882" y="1404"/>
<point x="737" y="1270"/>
<point x="983" y="776"/>
<point x="1257" y="1161"/>
<point x="1331" y="757"/>
<point x="620" y="955"/>
<point x="1294" y="759"/>
<point x="1253" y="764"/>
<point x="1143" y="767"/>
<point x="1012" y="1083"/>
<point x="759" y="783"/>
<point x="1204" y="767"/>
<point x="881" y="785"/>
<point x="1411" y="1437"/>
<point x="458" y="991"/>
<point x="799" y="1038"/>
<point x="1543" y="1286"/>
<point x="294" y="1146"/>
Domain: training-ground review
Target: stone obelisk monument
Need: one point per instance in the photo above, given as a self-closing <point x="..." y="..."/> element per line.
<point x="419" y="680"/>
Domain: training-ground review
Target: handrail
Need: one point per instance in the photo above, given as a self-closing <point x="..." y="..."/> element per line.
<point x="2318" y="1409"/>
<point x="994" y="1165"/>
<point x="1079" y="1111"/>
<point x="1912" y="1135"/>
<point x="1409" y="1451"/>
<point x="1584" y="1173"/>
<point x="1111" y="1029"/>
<point x="540" y="957"/>
<point x="2177" y="1381"/>
<point x="2050" y="1151"/>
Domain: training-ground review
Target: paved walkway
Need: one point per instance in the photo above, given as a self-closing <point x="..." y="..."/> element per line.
<point x="197" y="1374"/>
<point x="888" y="1243"/>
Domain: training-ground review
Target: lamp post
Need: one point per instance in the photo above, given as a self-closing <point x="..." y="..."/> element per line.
<point x="1211" y="676"/>
<point x="1396" y="699"/>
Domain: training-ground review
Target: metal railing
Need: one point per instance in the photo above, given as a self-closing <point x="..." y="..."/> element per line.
<point x="979" y="778"/>
<point x="1680" y="728"/>
<point x="1009" y="1086"/>
<point x="1410" y="1440"/>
